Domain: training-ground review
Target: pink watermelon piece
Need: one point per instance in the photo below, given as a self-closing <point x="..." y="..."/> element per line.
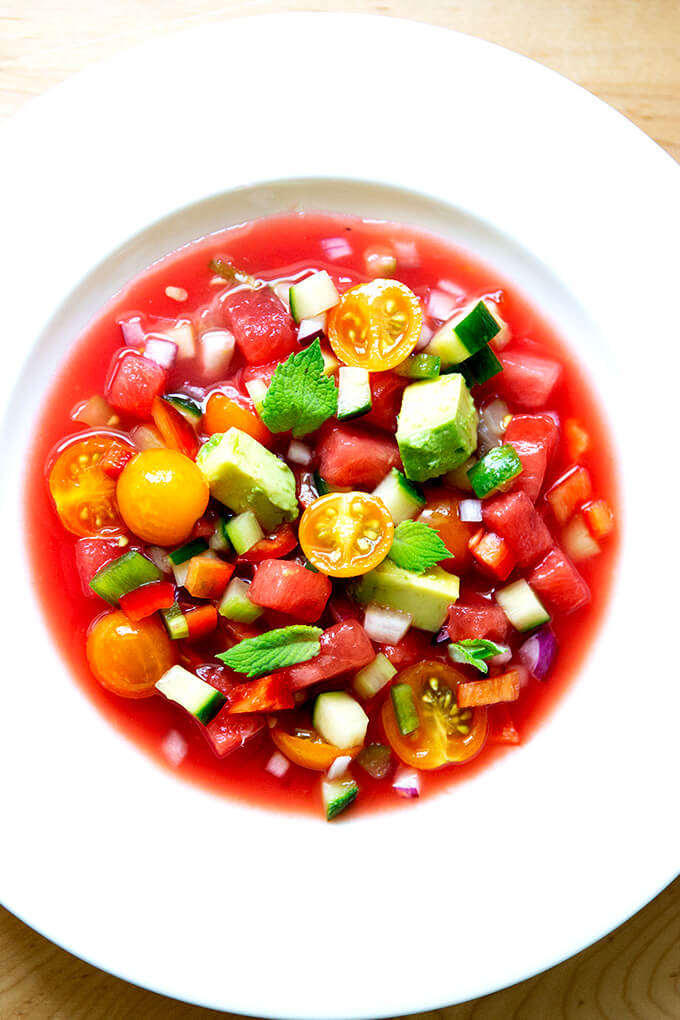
<point x="516" y="519"/>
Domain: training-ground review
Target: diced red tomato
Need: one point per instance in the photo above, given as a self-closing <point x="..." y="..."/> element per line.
<point x="145" y="601"/>
<point x="386" y="393"/>
<point x="534" y="437"/>
<point x="262" y="326"/>
<point x="271" y="547"/>
<point x="557" y="582"/>
<point x="485" y="620"/>
<point x="228" y="732"/>
<point x="502" y="729"/>
<point x="207" y="577"/>
<point x="344" y="646"/>
<point x="268" y="694"/>
<point x="578" y="440"/>
<point x="176" y="431"/>
<point x="115" y="459"/>
<point x="133" y="383"/>
<point x="350" y="456"/>
<point x="288" y="587"/>
<point x="91" y="555"/>
<point x="599" y="518"/>
<point x="490" y="691"/>
<point x="529" y="380"/>
<point x="492" y="553"/>
<point x="201" y="620"/>
<point x="515" y="518"/>
<point x="204" y="526"/>
<point x="415" y="646"/>
<point x="567" y="494"/>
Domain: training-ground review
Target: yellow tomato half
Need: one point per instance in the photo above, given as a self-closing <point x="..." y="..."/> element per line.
<point x="345" y="534"/>
<point x="376" y="325"/>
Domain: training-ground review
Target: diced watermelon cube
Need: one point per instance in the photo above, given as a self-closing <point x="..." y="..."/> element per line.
<point x="386" y="392"/>
<point x="502" y="728"/>
<point x="288" y="587"/>
<point x="91" y="555"/>
<point x="350" y="456"/>
<point x="415" y="646"/>
<point x="534" y="437"/>
<point x="133" y="384"/>
<point x="478" y="621"/>
<point x="228" y="732"/>
<point x="344" y="646"/>
<point x="515" y="518"/>
<point x="262" y="326"/>
<point x="529" y="380"/>
<point x="262" y="372"/>
<point x="557" y="581"/>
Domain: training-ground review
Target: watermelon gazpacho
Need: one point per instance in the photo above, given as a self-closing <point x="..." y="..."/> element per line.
<point x="331" y="512"/>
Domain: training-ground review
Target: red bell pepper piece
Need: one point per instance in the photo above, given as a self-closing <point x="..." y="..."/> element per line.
<point x="567" y="494"/>
<point x="201" y="620"/>
<point x="176" y="431"/>
<point x="599" y="518"/>
<point x="271" y="547"/>
<point x="115" y="459"/>
<point x="578" y="440"/>
<point x="492" y="553"/>
<point x="144" y="601"/>
<point x="268" y="694"/>
<point x="502" y="729"/>
<point x="505" y="687"/>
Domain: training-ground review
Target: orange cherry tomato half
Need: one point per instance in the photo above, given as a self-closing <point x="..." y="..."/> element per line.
<point x="376" y="325"/>
<point x="223" y="412"/>
<point x="161" y="494"/>
<point x="128" y="657"/>
<point x="83" y="494"/>
<point x="345" y="534"/>
<point x="310" y="752"/>
<point x="445" y="734"/>
<point x="443" y="514"/>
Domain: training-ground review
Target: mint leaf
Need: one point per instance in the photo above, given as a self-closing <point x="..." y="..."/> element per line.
<point x="228" y="271"/>
<point x="274" y="650"/>
<point x="474" y="651"/>
<point x="300" y="397"/>
<point x="417" y="547"/>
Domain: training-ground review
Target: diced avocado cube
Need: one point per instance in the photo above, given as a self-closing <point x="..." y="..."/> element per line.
<point x="426" y="597"/>
<point x="244" y="475"/>
<point x="437" y="426"/>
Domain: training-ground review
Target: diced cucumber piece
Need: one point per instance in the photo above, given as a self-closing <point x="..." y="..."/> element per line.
<point x="354" y="393"/>
<point x="340" y="719"/>
<point x="257" y="391"/>
<point x="244" y="531"/>
<point x="464" y="334"/>
<point x="372" y="678"/>
<point x="400" y="496"/>
<point x="522" y="606"/>
<point x="175" y="622"/>
<point x="459" y="476"/>
<point x="337" y="795"/>
<point x="312" y="296"/>
<point x="330" y="363"/>
<point x="219" y="540"/>
<point x="123" y="575"/>
<point x="321" y="485"/>
<point x="420" y="366"/>
<point x="185" y="552"/>
<point x="481" y="366"/>
<point x="405" y="709"/>
<point x="193" y="694"/>
<point x="496" y="468"/>
<point x="187" y="407"/>
<point x="235" y="604"/>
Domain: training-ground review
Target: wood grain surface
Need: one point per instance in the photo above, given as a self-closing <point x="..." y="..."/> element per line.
<point x="628" y="53"/>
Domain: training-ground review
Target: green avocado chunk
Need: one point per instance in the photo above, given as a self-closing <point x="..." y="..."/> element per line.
<point x="244" y="475"/>
<point x="437" y="426"/>
<point x="426" y="597"/>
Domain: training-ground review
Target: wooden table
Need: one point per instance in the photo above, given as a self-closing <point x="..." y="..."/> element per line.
<point x="625" y="51"/>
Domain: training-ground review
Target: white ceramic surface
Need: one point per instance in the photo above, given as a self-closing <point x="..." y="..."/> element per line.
<point x="281" y="916"/>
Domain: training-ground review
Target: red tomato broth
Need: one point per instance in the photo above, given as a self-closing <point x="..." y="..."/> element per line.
<point x="277" y="248"/>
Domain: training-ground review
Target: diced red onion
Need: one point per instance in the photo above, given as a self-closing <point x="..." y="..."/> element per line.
<point x="277" y="765"/>
<point x="470" y="510"/>
<point x="174" y="747"/>
<point x="407" y="253"/>
<point x="299" y="453"/>
<point x="282" y="291"/>
<point x="426" y="335"/>
<point x="160" y="558"/>
<point x="538" y="652"/>
<point x="217" y="350"/>
<point x="196" y="393"/>
<point x="386" y="626"/>
<point x="492" y="425"/>
<point x="336" y="247"/>
<point x="554" y="415"/>
<point x="503" y="657"/>
<point x="132" y="330"/>
<point x="442" y="637"/>
<point x="161" y="350"/>
<point x="338" y="767"/>
<point x="441" y="305"/>
<point x="310" y="329"/>
<point x="406" y="783"/>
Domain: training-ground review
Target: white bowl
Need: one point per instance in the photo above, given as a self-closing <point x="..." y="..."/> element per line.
<point x="278" y="915"/>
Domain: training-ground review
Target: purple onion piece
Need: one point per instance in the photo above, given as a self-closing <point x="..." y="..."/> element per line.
<point x="442" y="637"/>
<point x="161" y="350"/>
<point x="133" y="333"/>
<point x="538" y="652"/>
<point x="406" y="783"/>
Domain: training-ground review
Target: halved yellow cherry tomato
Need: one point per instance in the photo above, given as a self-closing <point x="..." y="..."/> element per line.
<point x="84" y="496"/>
<point x="376" y="325"/>
<point x="310" y="752"/>
<point x="127" y="657"/>
<point x="345" y="534"/>
<point x="445" y="734"/>
<point x="161" y="495"/>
